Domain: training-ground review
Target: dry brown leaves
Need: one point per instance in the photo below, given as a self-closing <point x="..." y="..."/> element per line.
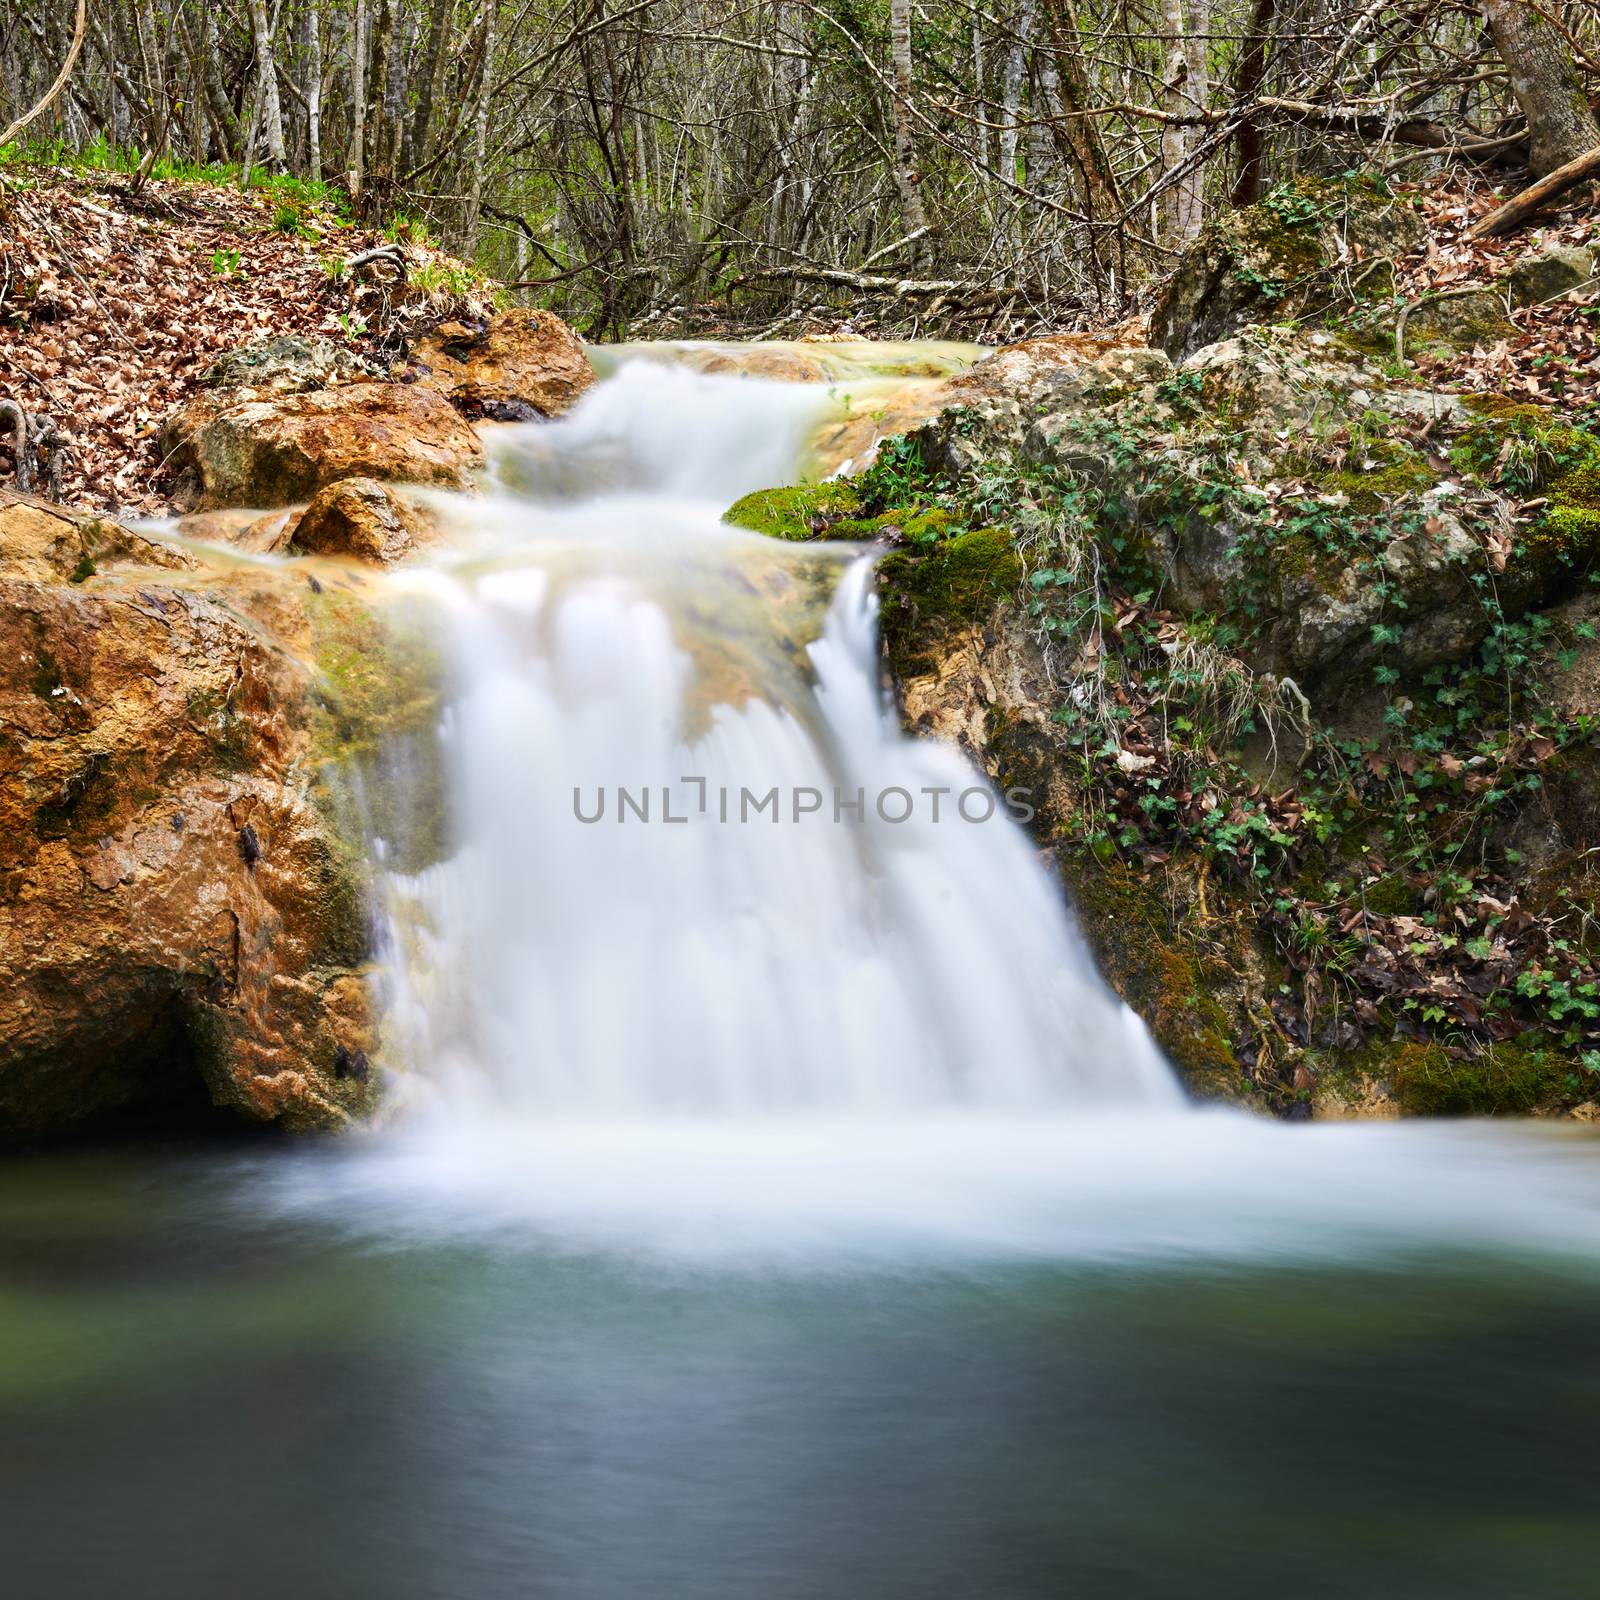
<point x="114" y="305"/>
<point x="1554" y="358"/>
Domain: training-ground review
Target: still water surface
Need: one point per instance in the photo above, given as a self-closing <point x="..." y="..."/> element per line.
<point x="236" y="1374"/>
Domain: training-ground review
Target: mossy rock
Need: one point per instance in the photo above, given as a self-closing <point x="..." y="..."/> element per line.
<point x="1160" y="973"/>
<point x="799" y="512"/>
<point x="1509" y="1079"/>
<point x="1281" y="260"/>
<point x="1524" y="449"/>
<point x="1397" y="471"/>
<point x="375" y="702"/>
<point x="926" y="591"/>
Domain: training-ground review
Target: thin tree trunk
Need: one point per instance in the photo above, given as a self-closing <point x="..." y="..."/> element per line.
<point x="1544" y="78"/>
<point x="1249" y="143"/>
<point x="270" y="112"/>
<point x="377" y="119"/>
<point x="314" y="91"/>
<point x="416" y="151"/>
<point x="480" y="136"/>
<point x="358" y="100"/>
<point x="912" y="216"/>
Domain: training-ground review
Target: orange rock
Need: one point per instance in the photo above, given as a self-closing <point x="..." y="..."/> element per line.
<point x="148" y="962"/>
<point x="362" y="518"/>
<point x="519" y="365"/>
<point x="276" y="451"/>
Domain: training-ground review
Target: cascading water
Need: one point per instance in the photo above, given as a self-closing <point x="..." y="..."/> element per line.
<point x="695" y="868"/>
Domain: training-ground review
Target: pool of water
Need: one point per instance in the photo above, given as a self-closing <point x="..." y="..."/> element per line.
<point x="342" y="1372"/>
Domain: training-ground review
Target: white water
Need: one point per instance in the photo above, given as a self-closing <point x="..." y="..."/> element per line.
<point x="722" y="1039"/>
<point x="815" y="954"/>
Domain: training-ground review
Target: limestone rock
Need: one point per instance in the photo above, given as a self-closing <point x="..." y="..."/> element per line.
<point x="275" y="452"/>
<point x="1298" y="253"/>
<point x="1457" y="323"/>
<point x="42" y="541"/>
<point x="516" y="366"/>
<point x="184" y="922"/>
<point x="284" y="364"/>
<point x="363" y="518"/>
<point x="1550" y="274"/>
<point x="258" y="532"/>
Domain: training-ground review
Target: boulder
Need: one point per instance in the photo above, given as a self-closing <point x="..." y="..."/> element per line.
<point x="1302" y="251"/>
<point x="43" y="541"/>
<point x="1456" y="323"/>
<point x="362" y="518"/>
<point x="284" y="364"/>
<point x="276" y="451"/>
<point x="513" y="367"/>
<point x="1550" y="274"/>
<point x="185" y="926"/>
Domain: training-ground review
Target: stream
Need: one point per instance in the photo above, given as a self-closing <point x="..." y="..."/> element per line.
<point x="771" y="1203"/>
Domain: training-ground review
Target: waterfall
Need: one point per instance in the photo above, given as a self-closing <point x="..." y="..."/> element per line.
<point x="694" y="868"/>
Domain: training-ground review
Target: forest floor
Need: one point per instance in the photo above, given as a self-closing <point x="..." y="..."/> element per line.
<point x="115" y="299"/>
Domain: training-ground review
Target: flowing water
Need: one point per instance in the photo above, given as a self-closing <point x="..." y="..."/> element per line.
<point x="772" y="1201"/>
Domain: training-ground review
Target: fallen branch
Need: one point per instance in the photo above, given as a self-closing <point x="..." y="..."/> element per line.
<point x="61" y="79"/>
<point x="966" y="293"/>
<point x="1520" y="207"/>
<point x="11" y="412"/>
<point x="389" y="254"/>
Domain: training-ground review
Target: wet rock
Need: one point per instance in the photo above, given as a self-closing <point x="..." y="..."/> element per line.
<point x="275" y="452"/>
<point x="44" y="542"/>
<point x="362" y="518"/>
<point x="259" y="532"/>
<point x="518" y="363"/>
<point x="184" y="919"/>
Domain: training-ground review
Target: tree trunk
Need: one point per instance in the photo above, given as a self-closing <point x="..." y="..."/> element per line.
<point x="480" y="136"/>
<point x="912" y="216"/>
<point x="416" y="151"/>
<point x="377" y="121"/>
<point x="358" y="100"/>
<point x="1544" y="78"/>
<point x="270" y="112"/>
<point x="314" y="91"/>
<point x="1255" y="54"/>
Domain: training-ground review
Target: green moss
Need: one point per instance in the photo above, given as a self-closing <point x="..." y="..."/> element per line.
<point x="1508" y="1079"/>
<point x="1400" y="471"/>
<point x="84" y="570"/>
<point x="798" y="513"/>
<point x="1160" y="974"/>
<point x="958" y="579"/>
<point x="1523" y="449"/>
<point x="1389" y="897"/>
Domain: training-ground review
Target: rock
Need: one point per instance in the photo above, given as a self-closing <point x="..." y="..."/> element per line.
<point x="362" y="518"/>
<point x="1550" y="274"/>
<point x="516" y="366"/>
<point x="42" y="541"/>
<point x="259" y="532"/>
<point x="1302" y="251"/>
<point x="284" y="364"/>
<point x="275" y="452"/>
<point x="1457" y="324"/>
<point x="184" y="913"/>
